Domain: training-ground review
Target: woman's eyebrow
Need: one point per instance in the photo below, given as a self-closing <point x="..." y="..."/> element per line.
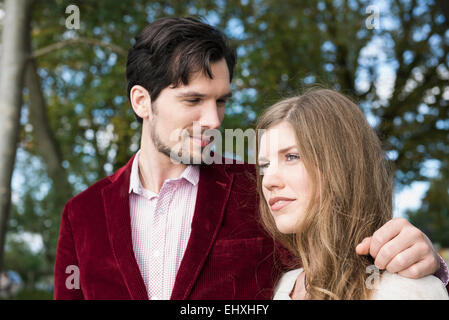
<point x="286" y="149"/>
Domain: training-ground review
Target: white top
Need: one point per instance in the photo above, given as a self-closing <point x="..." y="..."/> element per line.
<point x="391" y="286"/>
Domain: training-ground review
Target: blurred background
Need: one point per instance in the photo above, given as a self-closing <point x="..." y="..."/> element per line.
<point x="65" y="120"/>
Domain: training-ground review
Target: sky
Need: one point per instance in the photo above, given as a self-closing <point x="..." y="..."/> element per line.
<point x="409" y="198"/>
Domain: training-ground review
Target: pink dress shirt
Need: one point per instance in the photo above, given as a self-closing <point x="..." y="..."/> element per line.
<point x="161" y="225"/>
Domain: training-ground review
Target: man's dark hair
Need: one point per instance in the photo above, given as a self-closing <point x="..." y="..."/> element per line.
<point x="169" y="50"/>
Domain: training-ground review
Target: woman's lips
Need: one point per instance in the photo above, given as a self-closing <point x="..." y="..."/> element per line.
<point x="278" y="205"/>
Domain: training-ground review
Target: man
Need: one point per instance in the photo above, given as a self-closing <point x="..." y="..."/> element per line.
<point x="161" y="229"/>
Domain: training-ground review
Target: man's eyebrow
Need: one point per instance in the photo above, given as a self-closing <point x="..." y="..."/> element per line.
<point x="227" y="95"/>
<point x="190" y="94"/>
<point x="201" y="95"/>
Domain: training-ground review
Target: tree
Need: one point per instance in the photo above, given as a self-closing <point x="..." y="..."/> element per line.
<point x="12" y="64"/>
<point x="433" y="215"/>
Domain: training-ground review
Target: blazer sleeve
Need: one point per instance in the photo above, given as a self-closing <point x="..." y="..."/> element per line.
<point x="443" y="272"/>
<point x="66" y="276"/>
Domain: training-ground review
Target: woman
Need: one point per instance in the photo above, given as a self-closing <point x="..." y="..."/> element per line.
<point x="325" y="186"/>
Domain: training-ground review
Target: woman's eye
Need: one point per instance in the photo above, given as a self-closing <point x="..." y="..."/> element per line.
<point x="262" y="167"/>
<point x="292" y="156"/>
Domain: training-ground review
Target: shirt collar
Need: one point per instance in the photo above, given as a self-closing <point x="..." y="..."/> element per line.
<point x="191" y="174"/>
<point x="134" y="181"/>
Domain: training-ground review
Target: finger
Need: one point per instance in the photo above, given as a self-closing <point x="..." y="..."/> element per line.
<point x="363" y="247"/>
<point x="418" y="270"/>
<point x="387" y="232"/>
<point x="405" y="259"/>
<point x="432" y="254"/>
<point x="389" y="250"/>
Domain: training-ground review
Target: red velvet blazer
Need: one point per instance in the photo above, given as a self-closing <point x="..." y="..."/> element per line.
<point x="228" y="255"/>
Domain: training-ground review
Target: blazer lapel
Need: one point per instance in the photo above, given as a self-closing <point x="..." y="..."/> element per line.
<point x="118" y="222"/>
<point x="213" y="192"/>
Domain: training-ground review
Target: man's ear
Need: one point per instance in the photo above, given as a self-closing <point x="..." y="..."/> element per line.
<point x="141" y="101"/>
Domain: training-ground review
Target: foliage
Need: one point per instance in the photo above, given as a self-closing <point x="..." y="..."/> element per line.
<point x="433" y="216"/>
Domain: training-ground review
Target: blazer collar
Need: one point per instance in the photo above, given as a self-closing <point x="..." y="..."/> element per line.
<point x="213" y="193"/>
<point x="118" y="222"/>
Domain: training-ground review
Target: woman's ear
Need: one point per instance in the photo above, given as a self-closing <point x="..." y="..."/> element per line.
<point x="141" y="101"/>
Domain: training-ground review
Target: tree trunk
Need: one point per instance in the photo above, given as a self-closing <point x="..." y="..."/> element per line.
<point x="12" y="66"/>
<point x="46" y="144"/>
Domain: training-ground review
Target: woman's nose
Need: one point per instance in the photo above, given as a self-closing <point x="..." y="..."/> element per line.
<point x="272" y="179"/>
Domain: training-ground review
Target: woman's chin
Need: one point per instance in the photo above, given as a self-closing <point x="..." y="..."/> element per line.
<point x="285" y="227"/>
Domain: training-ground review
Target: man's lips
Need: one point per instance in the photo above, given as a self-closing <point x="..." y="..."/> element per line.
<point x="277" y="203"/>
<point x="201" y="141"/>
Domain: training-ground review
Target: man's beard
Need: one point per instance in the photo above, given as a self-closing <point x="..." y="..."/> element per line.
<point x="188" y="159"/>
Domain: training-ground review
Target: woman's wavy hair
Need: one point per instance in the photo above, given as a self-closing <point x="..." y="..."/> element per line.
<point x="352" y="184"/>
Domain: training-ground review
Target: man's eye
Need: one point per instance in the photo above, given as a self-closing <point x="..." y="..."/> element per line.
<point x="221" y="102"/>
<point x="292" y="156"/>
<point x="193" y="101"/>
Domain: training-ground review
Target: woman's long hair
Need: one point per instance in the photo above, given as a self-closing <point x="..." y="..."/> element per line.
<point x="352" y="188"/>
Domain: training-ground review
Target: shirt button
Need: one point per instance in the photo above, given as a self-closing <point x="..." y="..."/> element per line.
<point x="156" y="253"/>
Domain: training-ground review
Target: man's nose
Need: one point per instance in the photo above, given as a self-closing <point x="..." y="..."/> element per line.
<point x="210" y="117"/>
